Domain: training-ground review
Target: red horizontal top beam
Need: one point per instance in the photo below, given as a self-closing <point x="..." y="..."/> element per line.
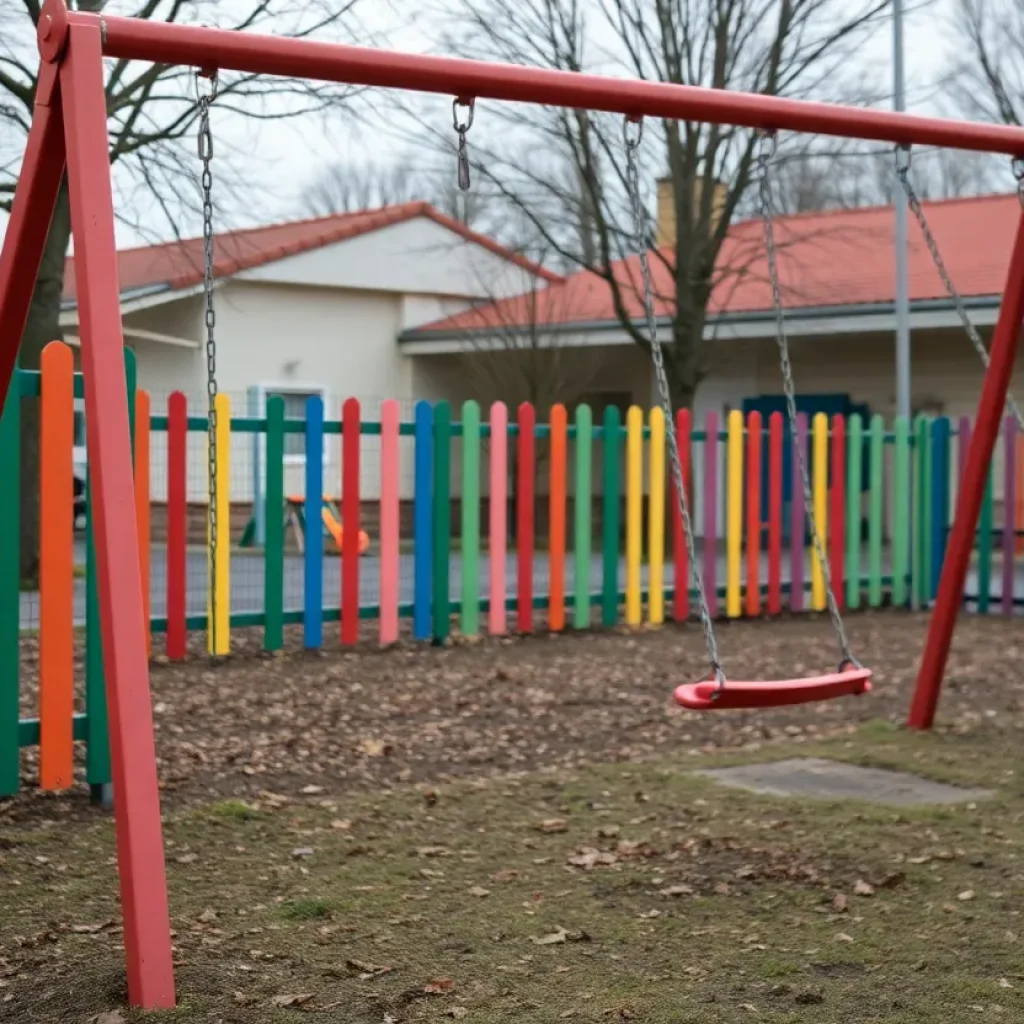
<point x="332" y="62"/>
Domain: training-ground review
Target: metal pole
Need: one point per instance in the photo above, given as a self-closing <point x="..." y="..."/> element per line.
<point x="902" y="293"/>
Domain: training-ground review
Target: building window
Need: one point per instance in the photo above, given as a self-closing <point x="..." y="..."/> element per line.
<point x="295" y="409"/>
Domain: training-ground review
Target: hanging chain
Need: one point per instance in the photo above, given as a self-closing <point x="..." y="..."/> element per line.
<point x="205" y="99"/>
<point x="640" y="230"/>
<point x="903" y="173"/>
<point x="462" y="125"/>
<point x="764" y="158"/>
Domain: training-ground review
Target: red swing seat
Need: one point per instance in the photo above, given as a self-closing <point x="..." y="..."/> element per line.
<point x="708" y="696"/>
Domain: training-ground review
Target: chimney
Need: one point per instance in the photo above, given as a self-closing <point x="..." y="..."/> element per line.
<point x="666" y="227"/>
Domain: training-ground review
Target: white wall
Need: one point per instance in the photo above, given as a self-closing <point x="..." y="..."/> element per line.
<point x="417" y="257"/>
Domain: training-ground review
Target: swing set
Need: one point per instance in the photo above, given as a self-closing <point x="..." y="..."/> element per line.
<point x="69" y="132"/>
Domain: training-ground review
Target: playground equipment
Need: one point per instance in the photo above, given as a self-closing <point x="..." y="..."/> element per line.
<point x="69" y="130"/>
<point x="294" y="514"/>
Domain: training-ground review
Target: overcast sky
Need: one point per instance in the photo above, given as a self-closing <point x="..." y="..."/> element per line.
<point x="283" y="156"/>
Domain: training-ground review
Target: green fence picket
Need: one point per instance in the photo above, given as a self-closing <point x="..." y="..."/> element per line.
<point x="985" y="525"/>
<point x="901" y="512"/>
<point x="10" y="589"/>
<point x="442" y="519"/>
<point x="273" y="528"/>
<point x="610" y="527"/>
<point x="922" y="513"/>
<point x="97" y="757"/>
<point x="470" y="612"/>
<point x="876" y="455"/>
<point x="854" y="482"/>
<point x="584" y="453"/>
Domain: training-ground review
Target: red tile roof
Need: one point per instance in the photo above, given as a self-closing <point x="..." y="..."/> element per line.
<point x="178" y="265"/>
<point x="837" y="258"/>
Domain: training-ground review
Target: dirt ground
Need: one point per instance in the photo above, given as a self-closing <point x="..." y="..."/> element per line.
<point x="507" y="830"/>
<point x="370" y="718"/>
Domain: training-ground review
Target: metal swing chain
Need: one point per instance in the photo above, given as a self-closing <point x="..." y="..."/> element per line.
<point x="903" y="173"/>
<point x="462" y="128"/>
<point x="205" y="100"/>
<point x="764" y="159"/>
<point x="640" y="231"/>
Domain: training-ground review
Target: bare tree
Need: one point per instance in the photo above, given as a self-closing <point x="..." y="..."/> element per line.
<point x="153" y="114"/>
<point x="987" y="82"/>
<point x="853" y="180"/>
<point x="573" y="188"/>
<point x="348" y="188"/>
<point x="521" y="347"/>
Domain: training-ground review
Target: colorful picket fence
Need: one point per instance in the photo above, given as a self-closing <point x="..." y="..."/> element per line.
<point x="881" y="499"/>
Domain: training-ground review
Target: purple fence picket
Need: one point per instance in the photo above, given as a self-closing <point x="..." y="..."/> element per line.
<point x="1009" y="507"/>
<point x="796" y="519"/>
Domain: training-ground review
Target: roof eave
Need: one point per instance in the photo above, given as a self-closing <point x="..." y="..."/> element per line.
<point x="856" y="313"/>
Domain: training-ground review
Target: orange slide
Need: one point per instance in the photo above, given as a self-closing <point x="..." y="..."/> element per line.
<point x="337" y="531"/>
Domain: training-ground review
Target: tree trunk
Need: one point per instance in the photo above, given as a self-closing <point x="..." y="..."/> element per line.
<point x="682" y="365"/>
<point x="42" y="327"/>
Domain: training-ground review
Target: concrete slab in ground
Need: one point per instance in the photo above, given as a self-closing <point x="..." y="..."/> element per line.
<point x="832" y="780"/>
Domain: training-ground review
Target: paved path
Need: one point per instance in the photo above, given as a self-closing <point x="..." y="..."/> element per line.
<point x="247" y="581"/>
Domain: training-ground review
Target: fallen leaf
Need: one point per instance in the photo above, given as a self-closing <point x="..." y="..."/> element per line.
<point x="897" y="878"/>
<point x="551" y="939"/>
<point x="373" y="747"/>
<point x="677" y="890"/>
<point x="311" y="790"/>
<point x="480" y="891"/>
<point x="368" y="970"/>
<point x="302" y="852"/>
<point x="108" y="1017"/>
<point x="292" y="1000"/>
<point x="862" y="888"/>
<point x="587" y="857"/>
<point x="552" y="825"/>
<point x="341" y="825"/>
<point x="439" y="986"/>
<point x="966" y="895"/>
<point x="843" y="937"/>
<point x="840" y="904"/>
<point x="187" y="858"/>
<point x="433" y="851"/>
<point x="458" y="1012"/>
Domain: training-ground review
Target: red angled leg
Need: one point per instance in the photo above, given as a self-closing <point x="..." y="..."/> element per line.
<point x="34" y="200"/>
<point x="140" y="850"/>
<point x="972" y="488"/>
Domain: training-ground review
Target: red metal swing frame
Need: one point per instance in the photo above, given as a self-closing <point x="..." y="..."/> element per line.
<point x="69" y="130"/>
